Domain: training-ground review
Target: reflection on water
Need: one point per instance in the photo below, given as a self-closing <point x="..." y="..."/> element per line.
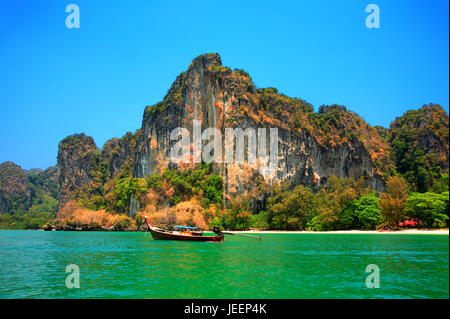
<point x="130" y="265"/>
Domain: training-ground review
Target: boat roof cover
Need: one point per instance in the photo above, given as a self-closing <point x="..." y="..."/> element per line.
<point x="188" y="227"/>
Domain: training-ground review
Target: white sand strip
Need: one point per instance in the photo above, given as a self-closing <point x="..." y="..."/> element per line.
<point x="399" y="232"/>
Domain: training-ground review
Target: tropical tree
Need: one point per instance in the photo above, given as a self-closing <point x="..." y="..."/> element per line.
<point x="292" y="209"/>
<point x="365" y="212"/>
<point x="393" y="202"/>
<point x="429" y="208"/>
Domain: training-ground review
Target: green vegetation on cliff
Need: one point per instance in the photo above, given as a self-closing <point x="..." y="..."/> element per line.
<point x="199" y="182"/>
<point x="420" y="145"/>
<point x="27" y="199"/>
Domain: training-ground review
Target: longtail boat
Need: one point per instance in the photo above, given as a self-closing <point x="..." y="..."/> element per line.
<point x="183" y="233"/>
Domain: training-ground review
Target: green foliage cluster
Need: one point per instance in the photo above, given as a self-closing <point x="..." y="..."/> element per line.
<point x="220" y="72"/>
<point x="125" y="188"/>
<point x="16" y="203"/>
<point x="241" y="72"/>
<point x="25" y="221"/>
<point x="29" y="198"/>
<point x="291" y="210"/>
<point x="362" y="213"/>
<point x="345" y="204"/>
<point x="419" y="141"/>
<point x="383" y="132"/>
<point x="442" y="184"/>
<point x="46" y="180"/>
<point x="260" y="220"/>
<point x="187" y="183"/>
<point x="330" y="116"/>
<point x="236" y="217"/>
<point x="155" y="109"/>
<point x="274" y="102"/>
<point x="37" y="216"/>
<point x="246" y="79"/>
<point x="412" y="165"/>
<point x="431" y="209"/>
<point x="219" y="68"/>
<point x="77" y="140"/>
<point x="337" y="119"/>
<point x="122" y="223"/>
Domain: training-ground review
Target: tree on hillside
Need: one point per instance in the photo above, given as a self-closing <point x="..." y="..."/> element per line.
<point x="393" y="202"/>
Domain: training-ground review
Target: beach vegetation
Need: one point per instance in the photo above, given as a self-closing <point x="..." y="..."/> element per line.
<point x="431" y="209"/>
<point x="393" y="201"/>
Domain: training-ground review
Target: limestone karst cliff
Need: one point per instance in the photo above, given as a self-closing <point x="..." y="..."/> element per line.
<point x="134" y="175"/>
<point x="78" y="160"/>
<point x="311" y="148"/>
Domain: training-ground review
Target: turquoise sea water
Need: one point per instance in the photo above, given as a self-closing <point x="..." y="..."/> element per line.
<point x="131" y="265"/>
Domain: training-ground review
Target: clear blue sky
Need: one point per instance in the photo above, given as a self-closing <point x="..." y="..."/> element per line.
<point x="97" y="79"/>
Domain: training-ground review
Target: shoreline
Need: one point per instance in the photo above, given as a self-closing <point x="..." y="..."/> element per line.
<point x="362" y="232"/>
<point x="398" y="232"/>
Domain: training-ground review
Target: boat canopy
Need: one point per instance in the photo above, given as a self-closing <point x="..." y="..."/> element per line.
<point x="187" y="227"/>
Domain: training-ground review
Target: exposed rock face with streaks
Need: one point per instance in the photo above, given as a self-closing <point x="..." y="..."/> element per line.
<point x="78" y="159"/>
<point x="221" y="98"/>
<point x="118" y="154"/>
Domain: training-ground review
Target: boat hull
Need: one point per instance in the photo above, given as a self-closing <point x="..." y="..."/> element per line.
<point x="170" y="236"/>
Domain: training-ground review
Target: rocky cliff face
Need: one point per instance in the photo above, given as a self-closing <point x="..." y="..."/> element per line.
<point x="311" y="146"/>
<point x="88" y="175"/>
<point x="15" y="191"/>
<point x="221" y="98"/>
<point x="118" y="154"/>
<point x="78" y="161"/>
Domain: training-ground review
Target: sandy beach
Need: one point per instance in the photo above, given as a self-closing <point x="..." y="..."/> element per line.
<point x="399" y="232"/>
